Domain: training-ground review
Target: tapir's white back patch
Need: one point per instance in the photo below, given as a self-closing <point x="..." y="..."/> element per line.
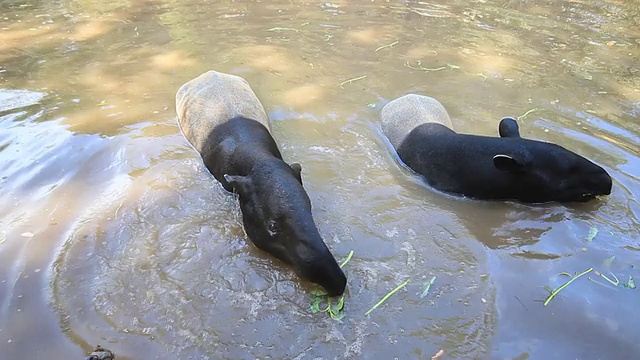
<point x="403" y="114"/>
<point x="212" y="99"/>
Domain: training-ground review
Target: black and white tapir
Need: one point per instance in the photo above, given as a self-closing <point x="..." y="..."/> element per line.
<point x="482" y="167"/>
<point x="225" y="122"/>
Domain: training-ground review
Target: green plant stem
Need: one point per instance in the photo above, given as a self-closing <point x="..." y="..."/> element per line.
<point x="386" y="46"/>
<point x="521" y="117"/>
<point x="386" y="297"/>
<point x="347" y="259"/>
<point x="278" y="29"/>
<point x="352" y="80"/>
<point x="556" y="291"/>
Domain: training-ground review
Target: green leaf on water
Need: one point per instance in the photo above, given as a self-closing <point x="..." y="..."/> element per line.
<point x="427" y="286"/>
<point x="315" y="307"/>
<point x="548" y="288"/>
<point x="592" y="233"/>
<point x="319" y="296"/>
<point x="316" y="301"/>
<point x="630" y="284"/>
<point x="337" y="312"/>
<point x="566" y="274"/>
<point x="371" y="105"/>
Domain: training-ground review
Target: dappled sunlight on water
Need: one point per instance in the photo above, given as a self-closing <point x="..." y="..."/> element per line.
<point x="112" y="232"/>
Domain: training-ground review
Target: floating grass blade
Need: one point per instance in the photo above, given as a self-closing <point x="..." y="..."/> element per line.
<point x="601" y="283"/>
<point x="386" y="46"/>
<point x="278" y="29"/>
<point x="352" y="80"/>
<point x="556" y="291"/>
<point x="347" y="259"/>
<point x="521" y="117"/>
<point x="386" y="297"/>
<point x="422" y="68"/>
<point x="614" y="283"/>
<point x="427" y="286"/>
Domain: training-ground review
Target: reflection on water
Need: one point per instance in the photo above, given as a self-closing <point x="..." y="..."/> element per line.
<point x="113" y="233"/>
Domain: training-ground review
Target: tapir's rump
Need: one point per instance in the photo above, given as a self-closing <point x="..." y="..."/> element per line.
<point x="400" y="116"/>
<point x="214" y="98"/>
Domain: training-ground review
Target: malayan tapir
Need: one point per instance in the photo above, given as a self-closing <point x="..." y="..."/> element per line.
<point x="220" y="115"/>
<point x="483" y="167"/>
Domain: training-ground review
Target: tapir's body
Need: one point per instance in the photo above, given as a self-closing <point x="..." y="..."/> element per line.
<point x="482" y="167"/>
<point x="224" y="121"/>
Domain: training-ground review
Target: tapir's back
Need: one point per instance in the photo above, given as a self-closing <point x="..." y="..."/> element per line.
<point x="403" y="114"/>
<point x="212" y="99"/>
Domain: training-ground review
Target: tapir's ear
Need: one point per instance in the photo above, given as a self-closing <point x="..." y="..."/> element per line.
<point x="297" y="169"/>
<point x="240" y="184"/>
<point x="508" y="127"/>
<point x="506" y="163"/>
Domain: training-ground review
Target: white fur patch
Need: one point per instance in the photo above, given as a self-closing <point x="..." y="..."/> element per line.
<point x="211" y="99"/>
<point x="403" y="114"/>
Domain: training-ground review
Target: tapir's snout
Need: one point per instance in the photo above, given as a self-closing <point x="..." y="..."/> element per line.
<point x="327" y="274"/>
<point x="603" y="183"/>
<point x="315" y="263"/>
<point x="585" y="186"/>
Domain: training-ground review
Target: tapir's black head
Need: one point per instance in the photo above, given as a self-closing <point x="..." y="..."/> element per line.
<point x="276" y="213"/>
<point x="546" y="171"/>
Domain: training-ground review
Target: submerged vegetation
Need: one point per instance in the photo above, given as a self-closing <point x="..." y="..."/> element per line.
<point x="335" y="308"/>
<point x="336" y="311"/>
<point x="613" y="280"/>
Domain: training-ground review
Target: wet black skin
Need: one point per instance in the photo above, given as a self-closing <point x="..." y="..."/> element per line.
<point x="501" y="168"/>
<point x="276" y="210"/>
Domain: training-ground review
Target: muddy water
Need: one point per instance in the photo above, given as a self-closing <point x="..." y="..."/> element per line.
<point x="113" y="233"/>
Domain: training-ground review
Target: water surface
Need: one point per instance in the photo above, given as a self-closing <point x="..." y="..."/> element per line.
<point x="112" y="232"/>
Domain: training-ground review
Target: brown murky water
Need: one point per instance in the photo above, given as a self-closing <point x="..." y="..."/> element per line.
<point x="113" y="233"/>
